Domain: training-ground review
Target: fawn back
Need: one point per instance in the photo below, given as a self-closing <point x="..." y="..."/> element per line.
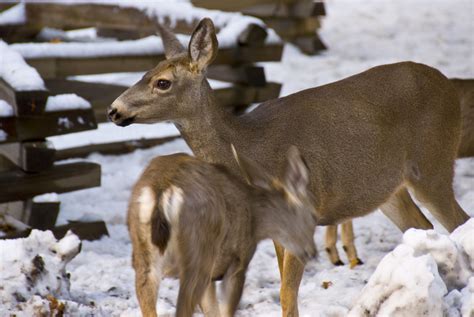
<point x="200" y="222"/>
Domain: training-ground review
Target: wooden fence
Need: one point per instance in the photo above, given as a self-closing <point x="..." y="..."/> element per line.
<point x="27" y="159"/>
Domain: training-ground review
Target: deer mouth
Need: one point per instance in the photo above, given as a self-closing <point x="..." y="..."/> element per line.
<point x="126" y="122"/>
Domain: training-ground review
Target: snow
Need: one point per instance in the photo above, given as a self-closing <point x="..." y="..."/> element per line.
<point x="359" y="34"/>
<point x="3" y="135"/>
<point x="66" y="102"/>
<point x="129" y="78"/>
<point x="6" y="110"/>
<point x="33" y="271"/>
<point x="16" y="72"/>
<point x="46" y="198"/>
<point x="415" y="277"/>
<point x="109" y="132"/>
<point x="14" y="15"/>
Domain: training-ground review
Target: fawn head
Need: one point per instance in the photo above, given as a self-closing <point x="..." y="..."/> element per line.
<point x="172" y="90"/>
<point x="284" y="205"/>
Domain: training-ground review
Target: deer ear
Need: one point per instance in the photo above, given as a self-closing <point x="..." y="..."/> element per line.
<point x="296" y="178"/>
<point x="170" y="42"/>
<point x="252" y="172"/>
<point x="203" y="45"/>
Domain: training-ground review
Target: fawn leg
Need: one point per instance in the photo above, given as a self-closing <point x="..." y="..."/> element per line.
<point x="147" y="280"/>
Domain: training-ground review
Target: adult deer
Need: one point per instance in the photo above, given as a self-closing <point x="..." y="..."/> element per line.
<point x="201" y="223"/>
<point x="367" y="139"/>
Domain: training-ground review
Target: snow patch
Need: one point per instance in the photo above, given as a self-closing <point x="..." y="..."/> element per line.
<point x="413" y="279"/>
<point x="33" y="271"/>
<point x="16" y="72"/>
<point x="6" y="110"/>
<point x="3" y="135"/>
<point x="66" y="102"/>
<point x="14" y="15"/>
<point x="46" y="198"/>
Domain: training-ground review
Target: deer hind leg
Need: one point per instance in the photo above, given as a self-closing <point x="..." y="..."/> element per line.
<point x="209" y="304"/>
<point x="147" y="280"/>
<point x="436" y="193"/>
<point x="404" y="213"/>
<point x="331" y="239"/>
<point x="292" y="274"/>
<point x="347" y="237"/>
<point x="280" y="252"/>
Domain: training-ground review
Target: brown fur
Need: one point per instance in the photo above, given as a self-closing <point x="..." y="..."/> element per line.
<point x="366" y="138"/>
<point x="216" y="229"/>
<point x="465" y="88"/>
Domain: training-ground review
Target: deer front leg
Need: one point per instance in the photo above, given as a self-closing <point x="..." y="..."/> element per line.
<point x="292" y="274"/>
<point x="347" y="237"/>
<point x="209" y="304"/>
<point x="331" y="239"/>
<point x="147" y="281"/>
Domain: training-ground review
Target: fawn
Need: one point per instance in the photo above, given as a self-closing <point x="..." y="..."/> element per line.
<point x="201" y="223"/>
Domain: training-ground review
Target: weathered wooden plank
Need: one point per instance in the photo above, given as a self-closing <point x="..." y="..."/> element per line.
<point x="32" y="156"/>
<point x="233" y="5"/>
<point x="99" y="95"/>
<point x="58" y="179"/>
<point x="247" y="75"/>
<point x="75" y="16"/>
<point x="288" y="28"/>
<point x="319" y="9"/>
<point x="309" y="44"/>
<point x="298" y="9"/>
<point x="41" y="215"/>
<point x="51" y="123"/>
<point x="63" y="67"/>
<point x="84" y="230"/>
<point x="113" y="148"/>
<point x="252" y="35"/>
<point x="28" y="102"/>
<point x="18" y="33"/>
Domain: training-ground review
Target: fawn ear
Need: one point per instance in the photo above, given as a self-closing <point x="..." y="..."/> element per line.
<point x="170" y="42"/>
<point x="296" y="178"/>
<point x="203" y="45"/>
<point x="252" y="172"/>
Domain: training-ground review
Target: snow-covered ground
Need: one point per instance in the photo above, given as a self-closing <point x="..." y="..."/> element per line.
<point x="359" y="34"/>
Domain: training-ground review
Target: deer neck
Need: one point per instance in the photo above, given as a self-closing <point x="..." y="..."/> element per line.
<point x="211" y="131"/>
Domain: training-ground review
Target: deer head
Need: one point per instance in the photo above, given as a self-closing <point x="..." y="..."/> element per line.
<point x="172" y="90"/>
<point x="285" y="212"/>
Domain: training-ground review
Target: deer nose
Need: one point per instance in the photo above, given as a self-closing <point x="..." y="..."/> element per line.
<point x="113" y="114"/>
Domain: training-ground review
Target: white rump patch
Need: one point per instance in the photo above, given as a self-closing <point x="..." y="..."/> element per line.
<point x="147" y="202"/>
<point x="171" y="202"/>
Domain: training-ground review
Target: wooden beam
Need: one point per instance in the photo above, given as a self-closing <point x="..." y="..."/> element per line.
<point x="298" y="9"/>
<point x="63" y="67"/>
<point x="41" y="215"/>
<point x="59" y="179"/>
<point x="309" y="44"/>
<point x="246" y="75"/>
<point x="252" y="35"/>
<point x="24" y="103"/>
<point x="233" y="5"/>
<point x="51" y="123"/>
<point x="99" y="95"/>
<point x="112" y="148"/>
<point x="84" y="230"/>
<point x="289" y="28"/>
<point x="32" y="156"/>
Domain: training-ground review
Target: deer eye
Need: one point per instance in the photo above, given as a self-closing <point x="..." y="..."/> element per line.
<point x="163" y="84"/>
